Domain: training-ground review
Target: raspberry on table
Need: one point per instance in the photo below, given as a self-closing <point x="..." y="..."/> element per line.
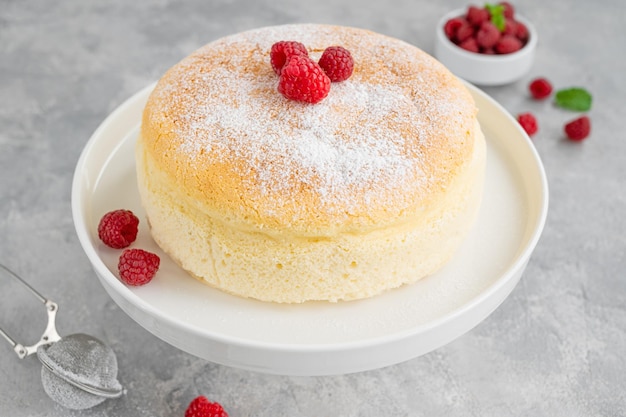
<point x="540" y="88"/>
<point x="202" y="407"/>
<point x="337" y="63"/>
<point x="578" y="129"/>
<point x="528" y="123"/>
<point x="282" y="51"/>
<point x="302" y="79"/>
<point x="137" y="266"/>
<point x="118" y="228"/>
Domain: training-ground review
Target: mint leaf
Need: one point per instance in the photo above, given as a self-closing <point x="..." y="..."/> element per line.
<point x="574" y="98"/>
<point x="497" y="15"/>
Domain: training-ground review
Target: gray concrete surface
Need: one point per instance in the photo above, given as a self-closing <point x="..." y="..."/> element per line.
<point x="555" y="347"/>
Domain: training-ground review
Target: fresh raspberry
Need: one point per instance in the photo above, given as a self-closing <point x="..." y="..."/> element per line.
<point x="202" y="407"/>
<point x="464" y="31"/>
<point x="137" y="266"/>
<point x="510" y="27"/>
<point x="508" y="44"/>
<point x="118" y="228"/>
<point x="282" y="51"/>
<point x="302" y="79"/>
<point x="488" y="35"/>
<point x="509" y="10"/>
<point x="337" y="63"/>
<point x="451" y="26"/>
<point x="470" y="44"/>
<point x="540" y="88"/>
<point x="476" y="16"/>
<point x="528" y="123"/>
<point x="521" y="32"/>
<point x="578" y="129"/>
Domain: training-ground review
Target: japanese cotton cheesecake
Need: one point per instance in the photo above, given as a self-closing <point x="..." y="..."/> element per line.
<point x="278" y="200"/>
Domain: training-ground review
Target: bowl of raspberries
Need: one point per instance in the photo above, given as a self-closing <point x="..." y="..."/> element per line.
<point x="486" y="45"/>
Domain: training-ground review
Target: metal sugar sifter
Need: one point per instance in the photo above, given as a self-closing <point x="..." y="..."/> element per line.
<point x="79" y="371"/>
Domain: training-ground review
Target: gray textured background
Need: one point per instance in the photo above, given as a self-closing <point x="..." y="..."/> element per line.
<point x="556" y="346"/>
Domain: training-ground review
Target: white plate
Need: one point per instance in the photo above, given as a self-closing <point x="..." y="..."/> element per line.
<point x="319" y="338"/>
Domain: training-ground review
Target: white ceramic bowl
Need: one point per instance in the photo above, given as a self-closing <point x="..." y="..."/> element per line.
<point x="480" y="69"/>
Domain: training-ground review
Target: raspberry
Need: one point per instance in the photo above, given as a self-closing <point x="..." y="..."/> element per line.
<point x="282" y="51"/>
<point x="522" y="32"/>
<point x="470" y="44"/>
<point x="302" y="79"/>
<point x="528" y="123"/>
<point x="578" y="129"/>
<point x="508" y="44"/>
<point x="337" y="63"/>
<point x="202" y="407"/>
<point x="476" y="16"/>
<point x="510" y="27"/>
<point x="509" y="10"/>
<point x="464" y="31"/>
<point x="137" y="266"/>
<point x="488" y="35"/>
<point x="540" y="88"/>
<point x="118" y="228"/>
<point x="451" y="26"/>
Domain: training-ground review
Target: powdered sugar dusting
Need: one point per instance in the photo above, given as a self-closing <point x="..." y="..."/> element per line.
<point x="359" y="147"/>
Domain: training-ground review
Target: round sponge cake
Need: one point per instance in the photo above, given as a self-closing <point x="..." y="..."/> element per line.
<point x="278" y="200"/>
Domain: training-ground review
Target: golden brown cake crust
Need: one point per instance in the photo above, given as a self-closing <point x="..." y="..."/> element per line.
<point x="380" y="149"/>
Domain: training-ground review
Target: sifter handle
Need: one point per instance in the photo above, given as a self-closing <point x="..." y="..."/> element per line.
<point x="50" y="334"/>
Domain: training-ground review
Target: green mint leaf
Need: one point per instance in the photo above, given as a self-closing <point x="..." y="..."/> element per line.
<point x="497" y="15"/>
<point x="574" y="98"/>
